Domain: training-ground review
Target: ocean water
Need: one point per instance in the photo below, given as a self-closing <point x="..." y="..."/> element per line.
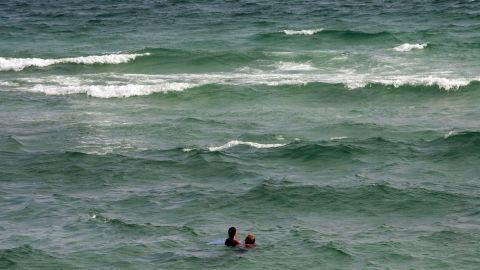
<point x="343" y="134"/>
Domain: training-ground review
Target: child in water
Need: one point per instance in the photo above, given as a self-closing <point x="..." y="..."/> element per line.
<point x="250" y="241"/>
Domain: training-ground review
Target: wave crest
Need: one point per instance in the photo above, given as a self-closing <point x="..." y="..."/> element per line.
<point x="234" y="143"/>
<point x="306" y="32"/>
<point x="293" y="66"/>
<point x="18" y="64"/>
<point x="406" y="47"/>
<point x="375" y="199"/>
<point x="110" y="91"/>
<point x="126" y="85"/>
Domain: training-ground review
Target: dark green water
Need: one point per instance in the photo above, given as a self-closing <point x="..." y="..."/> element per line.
<point x="344" y="135"/>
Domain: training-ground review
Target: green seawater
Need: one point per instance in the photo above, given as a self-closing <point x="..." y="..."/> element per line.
<point x="342" y="134"/>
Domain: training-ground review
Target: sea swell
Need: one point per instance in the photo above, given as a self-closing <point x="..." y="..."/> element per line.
<point x="456" y="145"/>
<point x="143" y="59"/>
<point x="26" y="257"/>
<point x="464" y="145"/>
<point x="10" y="144"/>
<point x="331" y="33"/>
<point x="343" y="134"/>
<point x="374" y="199"/>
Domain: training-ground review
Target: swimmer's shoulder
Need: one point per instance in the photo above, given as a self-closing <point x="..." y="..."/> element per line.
<point x="232" y="242"/>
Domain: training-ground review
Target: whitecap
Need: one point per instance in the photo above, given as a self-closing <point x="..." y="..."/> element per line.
<point x="292" y="66"/>
<point x="127" y="85"/>
<point x="406" y="47"/>
<point x="442" y="82"/>
<point x="287" y="53"/>
<point x="18" y="64"/>
<point x="234" y="143"/>
<point x="4" y="83"/>
<point x="338" y="138"/>
<point x="307" y="32"/>
<point x="110" y="91"/>
<point x="450" y="133"/>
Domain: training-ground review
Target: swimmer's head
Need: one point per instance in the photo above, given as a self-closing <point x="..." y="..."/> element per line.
<point x="250" y="239"/>
<point x="232" y="231"/>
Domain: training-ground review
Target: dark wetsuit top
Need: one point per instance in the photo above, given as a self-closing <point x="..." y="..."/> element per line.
<point x="231" y="242"/>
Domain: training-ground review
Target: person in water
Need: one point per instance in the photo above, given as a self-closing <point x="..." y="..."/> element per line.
<point x="250" y="241"/>
<point x="232" y="240"/>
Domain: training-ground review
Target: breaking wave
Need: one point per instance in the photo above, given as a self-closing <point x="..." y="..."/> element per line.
<point x="126" y="85"/>
<point x="406" y="47"/>
<point x="234" y="143"/>
<point x="307" y="32"/>
<point x="18" y="64"/>
<point x="293" y="66"/>
<point x="110" y="91"/>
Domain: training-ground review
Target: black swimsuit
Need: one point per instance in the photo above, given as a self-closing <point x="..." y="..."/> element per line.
<point x="230" y="242"/>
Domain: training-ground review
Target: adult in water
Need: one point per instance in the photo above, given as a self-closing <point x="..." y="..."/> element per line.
<point x="232" y="240"/>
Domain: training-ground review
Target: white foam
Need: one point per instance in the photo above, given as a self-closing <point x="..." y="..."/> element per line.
<point x="450" y="133"/>
<point x="234" y="143"/>
<point x="109" y="91"/>
<point x="126" y="85"/>
<point x="442" y="82"/>
<point x="307" y="32"/>
<point x="292" y="66"/>
<point x="281" y="53"/>
<point x="338" y="138"/>
<point x="18" y="64"/>
<point x="406" y="47"/>
<point x="3" y="83"/>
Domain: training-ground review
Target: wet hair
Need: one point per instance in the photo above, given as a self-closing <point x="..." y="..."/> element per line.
<point x="250" y="239"/>
<point x="231" y="232"/>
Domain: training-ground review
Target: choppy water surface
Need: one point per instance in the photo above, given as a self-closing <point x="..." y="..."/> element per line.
<point x="344" y="135"/>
